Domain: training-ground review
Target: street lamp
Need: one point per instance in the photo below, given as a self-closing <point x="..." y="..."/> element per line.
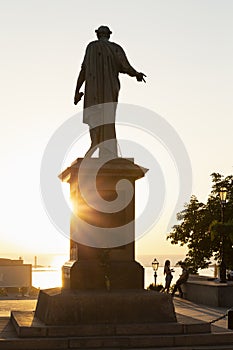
<point x="155" y="266"/>
<point x="223" y="197"/>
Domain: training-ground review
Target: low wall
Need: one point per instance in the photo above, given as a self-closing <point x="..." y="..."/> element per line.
<point x="213" y="293"/>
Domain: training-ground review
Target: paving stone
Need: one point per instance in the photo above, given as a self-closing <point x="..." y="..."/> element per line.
<point x="150" y="328"/>
<point x="33" y="344"/>
<point x="203" y="339"/>
<point x="150" y="341"/>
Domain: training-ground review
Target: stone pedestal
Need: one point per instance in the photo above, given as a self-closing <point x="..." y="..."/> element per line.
<point x="102" y="282"/>
<point x="102" y="235"/>
<point x="91" y="275"/>
<point x="65" y="307"/>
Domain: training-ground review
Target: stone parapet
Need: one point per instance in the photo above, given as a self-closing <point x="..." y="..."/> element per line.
<point x="208" y="292"/>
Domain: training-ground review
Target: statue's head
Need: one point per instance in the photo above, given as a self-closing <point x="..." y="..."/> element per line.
<point x="103" y="32"/>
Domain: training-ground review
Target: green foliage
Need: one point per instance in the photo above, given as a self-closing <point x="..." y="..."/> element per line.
<point x="200" y="227"/>
<point x="156" y="288"/>
<point x="224" y="229"/>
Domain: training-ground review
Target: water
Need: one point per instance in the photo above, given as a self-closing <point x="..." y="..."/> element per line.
<point x="46" y="278"/>
<point x="51" y="277"/>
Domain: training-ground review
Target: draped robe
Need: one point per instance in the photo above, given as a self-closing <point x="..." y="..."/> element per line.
<point x="103" y="62"/>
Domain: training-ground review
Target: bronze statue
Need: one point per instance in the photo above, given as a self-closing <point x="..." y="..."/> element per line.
<point x="103" y="62"/>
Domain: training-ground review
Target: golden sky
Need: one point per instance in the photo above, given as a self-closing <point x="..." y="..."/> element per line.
<point x="184" y="47"/>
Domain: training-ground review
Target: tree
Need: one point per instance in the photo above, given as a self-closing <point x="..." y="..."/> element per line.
<point x="201" y="225"/>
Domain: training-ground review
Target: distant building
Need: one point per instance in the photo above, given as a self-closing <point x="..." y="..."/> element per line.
<point x="14" y="273"/>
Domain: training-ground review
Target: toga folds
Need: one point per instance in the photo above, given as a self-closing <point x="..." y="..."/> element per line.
<point x="103" y="62"/>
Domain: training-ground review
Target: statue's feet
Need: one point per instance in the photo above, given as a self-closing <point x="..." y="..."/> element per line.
<point x="103" y="153"/>
<point x="90" y="152"/>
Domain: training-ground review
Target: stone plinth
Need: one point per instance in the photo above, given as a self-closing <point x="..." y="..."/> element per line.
<point x="102" y="229"/>
<point x="66" y="307"/>
<point x="91" y="275"/>
<point x="102" y="282"/>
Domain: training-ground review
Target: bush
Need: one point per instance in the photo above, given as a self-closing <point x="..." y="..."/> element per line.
<point x="156" y="288"/>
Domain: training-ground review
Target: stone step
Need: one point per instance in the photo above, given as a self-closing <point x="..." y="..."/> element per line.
<point x="223" y="347"/>
<point x="175" y="342"/>
<point x="208" y="347"/>
<point x="179" y="341"/>
<point x="151" y="341"/>
<point x="27" y="325"/>
<point x="187" y="333"/>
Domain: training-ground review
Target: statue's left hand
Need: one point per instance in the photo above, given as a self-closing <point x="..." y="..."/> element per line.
<point x="78" y="97"/>
<point x="140" y="77"/>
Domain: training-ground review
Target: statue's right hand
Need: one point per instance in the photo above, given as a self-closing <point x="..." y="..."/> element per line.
<point x="140" y="77"/>
<point x="78" y="97"/>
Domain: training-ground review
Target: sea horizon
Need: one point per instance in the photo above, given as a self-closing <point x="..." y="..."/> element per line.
<point x="56" y="260"/>
<point x="51" y="277"/>
<point x="47" y="272"/>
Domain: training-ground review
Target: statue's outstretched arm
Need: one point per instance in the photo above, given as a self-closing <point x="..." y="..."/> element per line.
<point x="127" y="68"/>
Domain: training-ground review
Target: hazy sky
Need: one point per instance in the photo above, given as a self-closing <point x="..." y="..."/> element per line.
<point x="185" y="47"/>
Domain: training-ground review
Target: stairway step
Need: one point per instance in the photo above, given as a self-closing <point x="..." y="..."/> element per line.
<point x="179" y="342"/>
<point x="34" y="335"/>
<point x="27" y="324"/>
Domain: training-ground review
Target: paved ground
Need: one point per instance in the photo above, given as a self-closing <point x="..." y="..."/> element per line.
<point x="182" y="307"/>
<point x="8" y="305"/>
<point x="202" y="312"/>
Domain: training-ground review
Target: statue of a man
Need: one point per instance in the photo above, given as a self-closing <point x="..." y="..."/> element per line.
<point x="103" y="62"/>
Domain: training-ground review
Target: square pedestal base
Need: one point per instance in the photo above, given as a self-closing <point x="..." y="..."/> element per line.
<point x="89" y="275"/>
<point x="66" y="307"/>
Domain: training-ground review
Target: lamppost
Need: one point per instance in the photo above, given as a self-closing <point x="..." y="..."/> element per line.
<point x="223" y="197"/>
<point x="155" y="266"/>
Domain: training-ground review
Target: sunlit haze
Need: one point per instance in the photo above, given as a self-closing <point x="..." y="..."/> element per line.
<point x="186" y="50"/>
